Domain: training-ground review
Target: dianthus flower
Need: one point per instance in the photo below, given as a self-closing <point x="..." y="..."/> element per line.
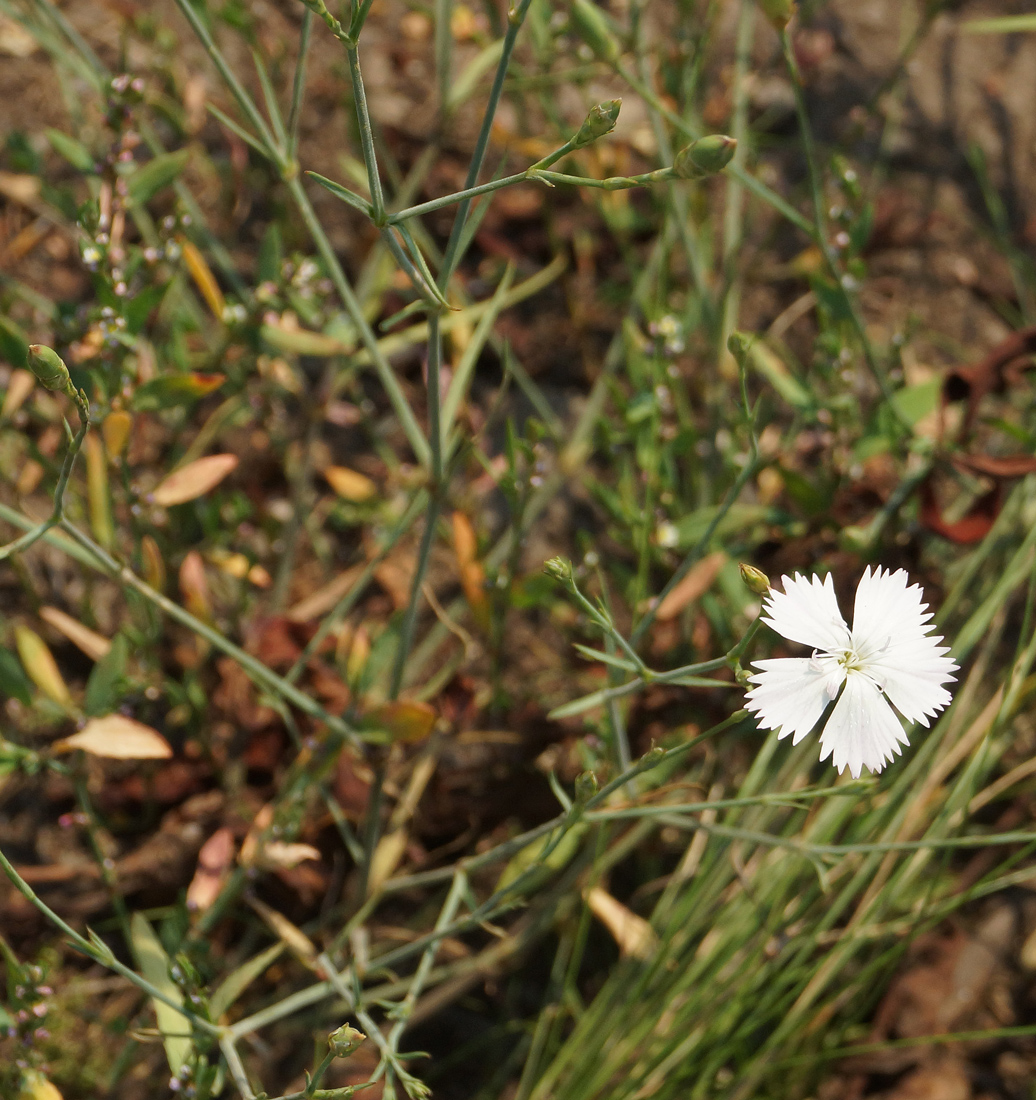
<point x="888" y="656"/>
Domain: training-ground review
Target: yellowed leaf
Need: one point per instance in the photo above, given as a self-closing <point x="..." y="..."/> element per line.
<point x="116" y="431"/>
<point x="39" y="663"/>
<point x="154" y="565"/>
<point x="94" y="645"/>
<point x="203" y="278"/>
<point x="402" y="721"/>
<point x="472" y="574"/>
<point x="119" y="738"/>
<point x="350" y="484"/>
<point x="194" y="480"/>
<point x="386" y="859"/>
<point x="36" y="1087"/>
<point x="697" y="582"/>
<point x="635" y="937"/>
<point x="21" y="384"/>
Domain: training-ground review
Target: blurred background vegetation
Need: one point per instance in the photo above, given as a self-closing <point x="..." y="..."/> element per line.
<point x="379" y="309"/>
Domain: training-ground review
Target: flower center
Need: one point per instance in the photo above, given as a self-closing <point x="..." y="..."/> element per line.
<point x="850" y="660"/>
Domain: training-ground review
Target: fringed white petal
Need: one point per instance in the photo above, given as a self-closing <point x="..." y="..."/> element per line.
<point x="863" y="730"/>
<point x="807" y="612"/>
<point x="792" y="692"/>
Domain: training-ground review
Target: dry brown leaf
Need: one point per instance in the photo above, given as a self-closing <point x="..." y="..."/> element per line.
<point x="94" y="645"/>
<point x="194" y="480"/>
<point x="194" y="587"/>
<point x="350" y="484"/>
<point x="281" y="854"/>
<point x="396" y="576"/>
<point x="697" y="582"/>
<point x="324" y="599"/>
<point x="214" y="861"/>
<point x="635" y="937"/>
<point x="293" y="938"/>
<point x="118" y="738"/>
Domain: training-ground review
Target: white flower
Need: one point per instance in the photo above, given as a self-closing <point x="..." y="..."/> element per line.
<point x="887" y="654"/>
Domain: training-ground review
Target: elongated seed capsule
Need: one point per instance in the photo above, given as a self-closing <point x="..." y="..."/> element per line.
<point x="49" y="367"/>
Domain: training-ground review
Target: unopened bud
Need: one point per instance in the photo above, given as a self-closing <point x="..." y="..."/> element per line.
<point x="738" y="344"/>
<point x="591" y="24"/>
<point x="586" y="786"/>
<point x="600" y="121"/>
<point x="755" y="579"/>
<point x="345" y="1040"/>
<point x="705" y="156"/>
<point x="778" y="12"/>
<point x="49" y="367"/>
<point x="558" y="568"/>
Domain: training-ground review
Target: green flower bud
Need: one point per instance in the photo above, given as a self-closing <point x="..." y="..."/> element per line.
<point x="586" y="786"/>
<point x="738" y="344"/>
<point x="600" y="121"/>
<point x="345" y="1040"/>
<point x="778" y="12"/>
<point x="755" y="579"/>
<point x="558" y="568"/>
<point x="591" y="24"/>
<point x="49" y="367"/>
<point x="705" y="156"/>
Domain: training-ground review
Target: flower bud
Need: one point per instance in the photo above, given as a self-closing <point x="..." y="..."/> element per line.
<point x="591" y="25"/>
<point x="705" y="156"/>
<point x="738" y="344"/>
<point x="558" y="568"/>
<point x="755" y="579"/>
<point x="345" y="1040"/>
<point x="49" y="367"/>
<point x="586" y="786"/>
<point x="600" y="121"/>
<point x="778" y="12"/>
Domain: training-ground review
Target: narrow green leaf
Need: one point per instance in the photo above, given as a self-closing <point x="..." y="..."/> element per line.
<point x="238" y="980"/>
<point x="73" y="151"/>
<point x="154" y="965"/>
<point x="159" y="172"/>
<point x="342" y="193"/>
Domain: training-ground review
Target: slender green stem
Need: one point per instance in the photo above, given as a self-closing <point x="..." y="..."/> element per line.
<point x="363" y="119"/>
<point x="299" y="84"/>
<point x="74" y="446"/>
<point x="99" y="953"/>
<point x="406" y="633"/>
<point x="451" y="257"/>
<point x="386" y="375"/>
<point x="237" y="89"/>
